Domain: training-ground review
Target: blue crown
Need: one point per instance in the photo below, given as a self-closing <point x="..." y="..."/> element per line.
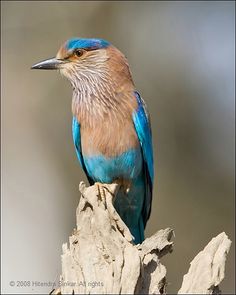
<point x="86" y="43"/>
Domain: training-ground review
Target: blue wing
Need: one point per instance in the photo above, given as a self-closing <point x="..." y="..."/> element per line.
<point x="143" y="130"/>
<point x="77" y="144"/>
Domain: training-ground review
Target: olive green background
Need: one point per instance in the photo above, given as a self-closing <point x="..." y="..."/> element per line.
<point x="181" y="56"/>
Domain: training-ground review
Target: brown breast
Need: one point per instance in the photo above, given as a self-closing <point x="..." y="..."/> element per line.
<point x="109" y="137"/>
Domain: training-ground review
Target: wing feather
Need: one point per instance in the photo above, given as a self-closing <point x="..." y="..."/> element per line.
<point x="143" y="129"/>
<point x="77" y="143"/>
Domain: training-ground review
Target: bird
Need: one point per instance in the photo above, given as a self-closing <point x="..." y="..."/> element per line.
<point x="111" y="126"/>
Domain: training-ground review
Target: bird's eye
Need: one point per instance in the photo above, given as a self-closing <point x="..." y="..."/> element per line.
<point x="79" y="52"/>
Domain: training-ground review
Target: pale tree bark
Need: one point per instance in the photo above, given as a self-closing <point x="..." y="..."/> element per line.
<point x="102" y="259"/>
<point x="207" y="269"/>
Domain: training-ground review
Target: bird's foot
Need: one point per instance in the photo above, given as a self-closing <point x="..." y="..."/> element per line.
<point x="101" y="190"/>
<point x="104" y="188"/>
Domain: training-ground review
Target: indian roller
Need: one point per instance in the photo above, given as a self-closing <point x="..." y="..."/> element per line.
<point x="110" y="125"/>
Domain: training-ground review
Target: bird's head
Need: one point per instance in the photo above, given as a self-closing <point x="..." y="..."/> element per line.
<point x="79" y="59"/>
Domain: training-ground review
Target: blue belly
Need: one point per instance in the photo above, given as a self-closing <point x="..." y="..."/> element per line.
<point x="125" y="166"/>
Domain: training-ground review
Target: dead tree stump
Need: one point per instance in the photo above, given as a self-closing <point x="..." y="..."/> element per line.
<point x="102" y="259"/>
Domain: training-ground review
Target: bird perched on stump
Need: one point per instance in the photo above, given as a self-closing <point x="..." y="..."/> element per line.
<point x="110" y="126"/>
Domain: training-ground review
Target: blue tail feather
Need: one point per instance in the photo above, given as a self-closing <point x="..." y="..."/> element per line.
<point x="138" y="232"/>
<point x="129" y="207"/>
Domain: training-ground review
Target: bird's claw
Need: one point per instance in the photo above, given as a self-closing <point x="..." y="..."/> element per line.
<point x="101" y="190"/>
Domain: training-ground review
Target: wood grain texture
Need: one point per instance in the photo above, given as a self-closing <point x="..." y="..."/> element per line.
<point x="207" y="270"/>
<point x="102" y="259"/>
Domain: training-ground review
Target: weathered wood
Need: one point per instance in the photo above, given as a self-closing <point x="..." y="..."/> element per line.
<point x="102" y="259"/>
<point x="207" y="269"/>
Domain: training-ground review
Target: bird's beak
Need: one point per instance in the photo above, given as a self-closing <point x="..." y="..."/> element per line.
<point x="49" y="64"/>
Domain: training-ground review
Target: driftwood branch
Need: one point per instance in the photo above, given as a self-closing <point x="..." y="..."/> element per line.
<point x="102" y="259"/>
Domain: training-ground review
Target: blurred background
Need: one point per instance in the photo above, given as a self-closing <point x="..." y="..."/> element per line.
<point x="181" y="55"/>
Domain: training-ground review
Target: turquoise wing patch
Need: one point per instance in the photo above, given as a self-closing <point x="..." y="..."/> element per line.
<point x="77" y="143"/>
<point x="143" y="130"/>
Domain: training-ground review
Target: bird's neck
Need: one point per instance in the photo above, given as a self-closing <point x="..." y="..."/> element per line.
<point x="107" y="93"/>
